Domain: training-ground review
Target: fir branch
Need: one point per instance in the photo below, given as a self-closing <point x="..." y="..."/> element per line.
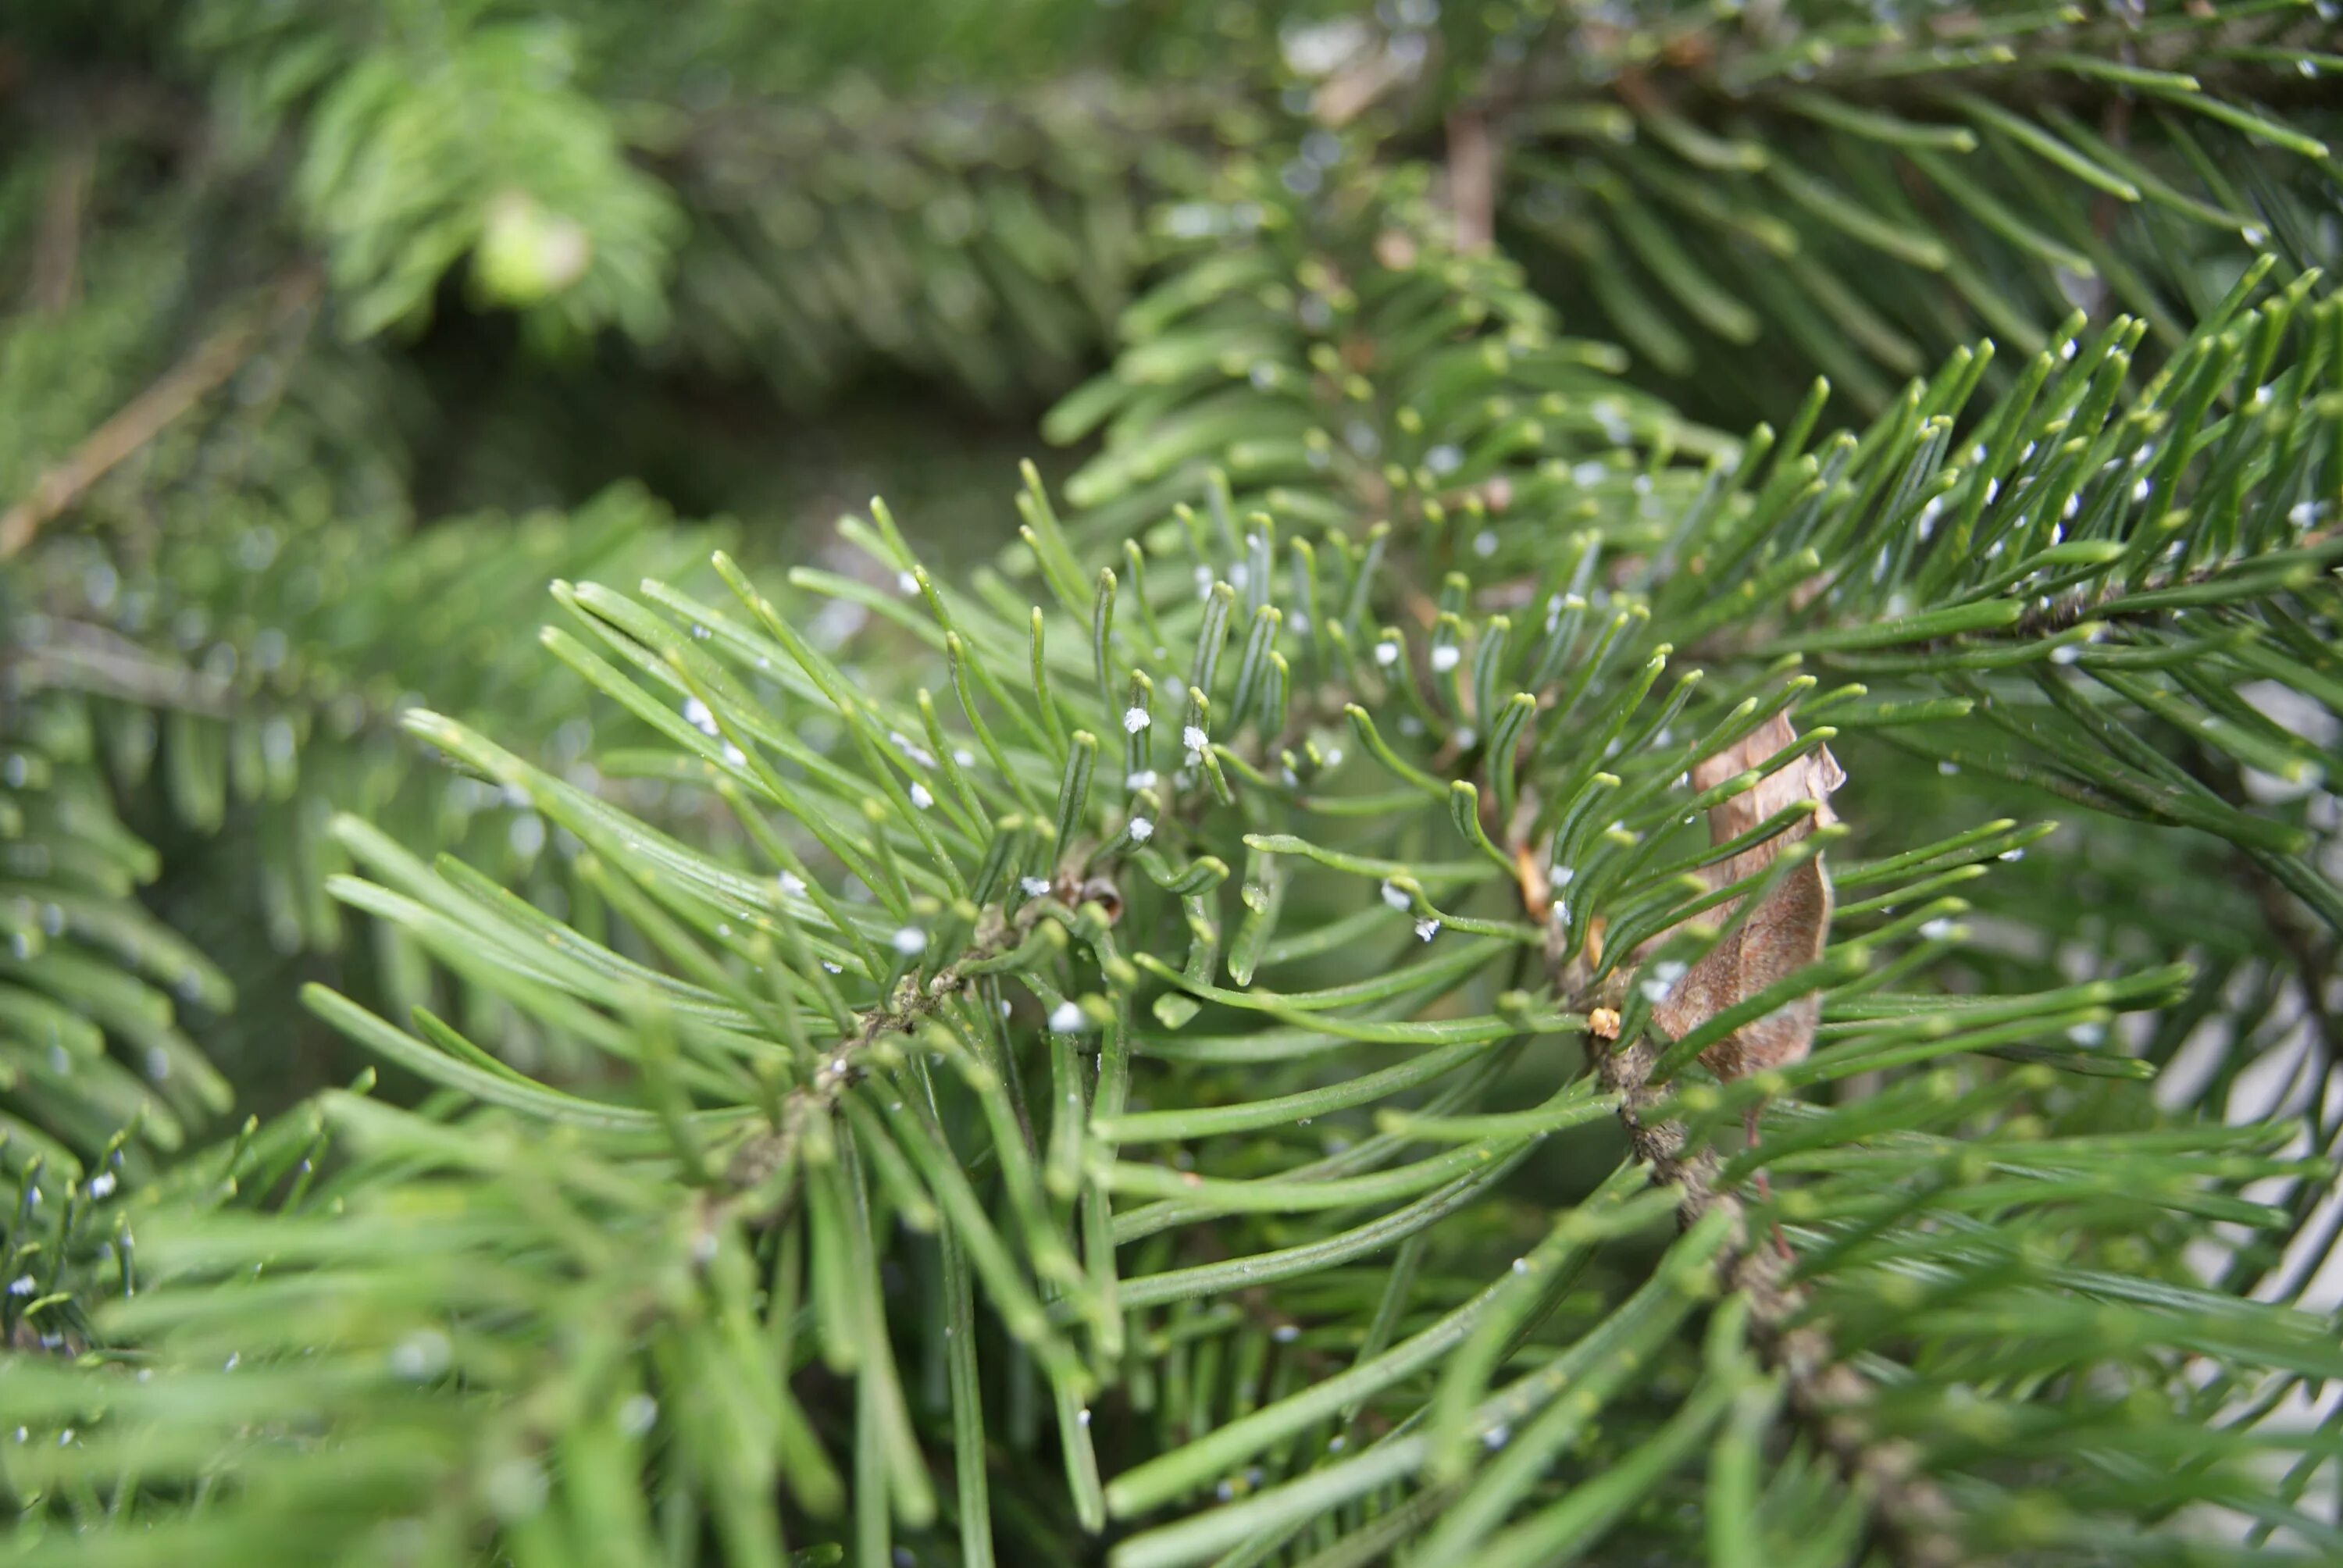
<point x="998" y="931"/>
<point x="156" y="409"/>
<point x="1910" y="1510"/>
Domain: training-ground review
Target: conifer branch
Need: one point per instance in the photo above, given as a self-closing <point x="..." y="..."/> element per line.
<point x="1911" y="1512"/>
<point x="153" y="410"/>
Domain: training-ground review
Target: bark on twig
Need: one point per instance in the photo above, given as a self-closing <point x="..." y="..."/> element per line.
<point x="1472" y="180"/>
<point x="1786" y="932"/>
<point x="56" y="247"/>
<point x="151" y="413"/>
<point x="1912" y="1515"/>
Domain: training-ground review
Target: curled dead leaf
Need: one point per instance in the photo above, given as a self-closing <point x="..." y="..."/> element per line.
<point x="1786" y="932"/>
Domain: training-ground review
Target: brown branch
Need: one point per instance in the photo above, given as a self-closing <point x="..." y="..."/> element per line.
<point x="1911" y="1514"/>
<point x="769" y="1150"/>
<point x="151" y="412"/>
<point x="76" y="656"/>
<point x="1472" y="181"/>
<point x="56" y="246"/>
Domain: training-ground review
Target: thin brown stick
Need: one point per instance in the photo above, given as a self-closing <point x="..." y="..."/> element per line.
<point x="151" y="412"/>
<point x="56" y="247"/>
<point x="78" y="657"/>
<point x="1912" y="1515"/>
<point x="1908" y="1512"/>
<point x="1472" y="180"/>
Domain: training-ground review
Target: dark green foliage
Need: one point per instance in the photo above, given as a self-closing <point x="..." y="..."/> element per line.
<point x="1136" y="1038"/>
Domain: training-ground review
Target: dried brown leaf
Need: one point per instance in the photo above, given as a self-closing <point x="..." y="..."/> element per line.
<point x="1788" y="928"/>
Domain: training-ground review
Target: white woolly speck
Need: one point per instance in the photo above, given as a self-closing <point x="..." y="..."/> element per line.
<point x="1333" y="756"/>
<point x="964" y="757"/>
<point x="1068" y="1019"/>
<point x="791" y="883"/>
<point x="1444" y="458"/>
<point x="1285" y="1333"/>
<point x="1136" y="718"/>
<point x="1947" y="766"/>
<point x="1521" y="1265"/>
<point x="1497" y="1435"/>
<point x="833" y="968"/>
<point x="422" y="1355"/>
<point x="2302" y="514"/>
<point x="735" y="756"/>
<point x="102" y="1184"/>
<point x="2066" y="349"/>
<point x="696" y="713"/>
<point x="920" y="797"/>
<point x="1446" y="656"/>
<point x="638" y="1415"/>
<point x="909" y="939"/>
<point x="2139" y="492"/>
<point x="2065" y="653"/>
<point x="1083" y="1416"/>
<point x="1937" y="929"/>
<point x="1387" y="654"/>
<point x="1991" y="488"/>
<point x="1564" y="875"/>
<point x="1396" y="897"/>
<point x="1142" y="779"/>
<point x="1141" y="829"/>
<point x="2011" y="855"/>
<point x="907" y="581"/>
<point x="1204" y="582"/>
<point x="22" y="1286"/>
<point x="1033" y="886"/>
<point x="2087" y="1033"/>
<point x="2074" y="504"/>
<point x="1426" y="929"/>
<point x="1485" y="543"/>
<point x="1194" y="738"/>
<point x="1239" y="575"/>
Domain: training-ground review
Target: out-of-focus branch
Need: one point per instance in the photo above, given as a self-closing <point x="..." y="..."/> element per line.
<point x="153" y="411"/>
